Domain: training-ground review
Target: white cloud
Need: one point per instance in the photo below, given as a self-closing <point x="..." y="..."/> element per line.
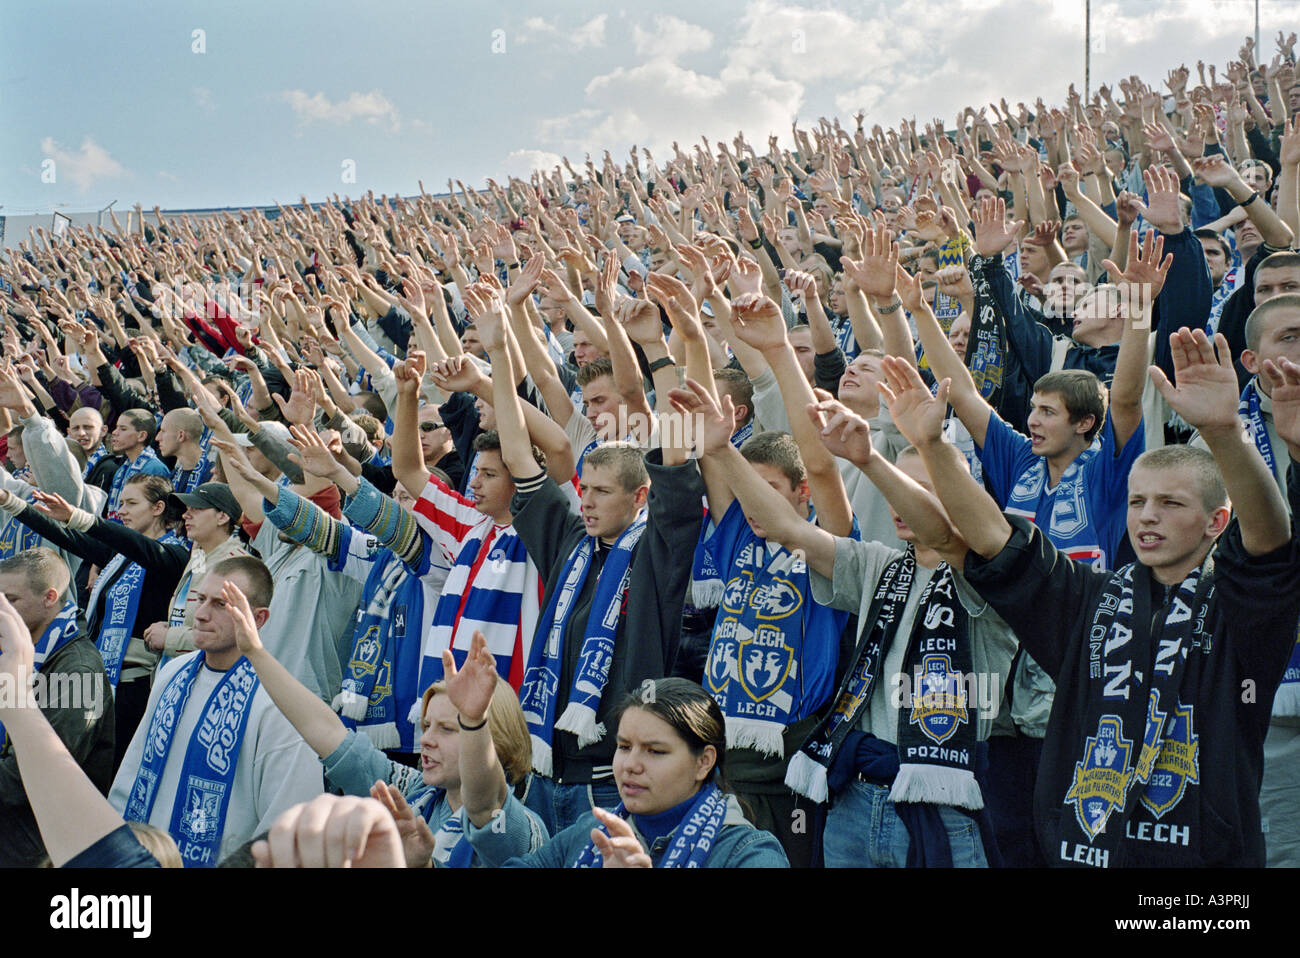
<point x="925" y="58"/>
<point x="85" y="166"/>
<point x="522" y="163"/>
<point x="373" y="107"/>
<point x="583" y="36"/>
<point x="169" y="177"/>
<point x="670" y="38"/>
<point x="203" y="98"/>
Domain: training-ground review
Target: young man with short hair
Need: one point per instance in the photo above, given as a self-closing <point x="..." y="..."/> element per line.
<point x="214" y="763"/>
<point x="615" y="580"/>
<point x="131" y="438"/>
<point x="178" y="437"/>
<point x="37" y="583"/>
<point x="1153" y="753"/>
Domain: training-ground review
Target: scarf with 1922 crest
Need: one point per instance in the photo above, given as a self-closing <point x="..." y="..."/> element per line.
<point x="1140" y="738"/>
<point x="936" y="727"/>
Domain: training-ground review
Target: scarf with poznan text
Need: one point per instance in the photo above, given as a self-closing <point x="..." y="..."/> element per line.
<point x="936" y="730"/>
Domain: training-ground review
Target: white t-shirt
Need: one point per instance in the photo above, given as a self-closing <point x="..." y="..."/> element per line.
<point x="275" y="770"/>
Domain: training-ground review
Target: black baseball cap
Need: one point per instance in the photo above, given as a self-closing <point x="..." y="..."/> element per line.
<point x="212" y="495"/>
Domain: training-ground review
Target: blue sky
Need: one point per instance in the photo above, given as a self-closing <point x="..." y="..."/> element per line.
<point x="285" y="92"/>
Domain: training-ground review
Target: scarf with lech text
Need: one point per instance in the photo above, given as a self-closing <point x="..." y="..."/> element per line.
<point x="540" y="694"/>
<point x="692" y="840"/>
<point x="936" y="724"/>
<point x="769" y="654"/>
<point x="211" y="756"/>
<point x="61" y="630"/>
<point x="1141" y="743"/>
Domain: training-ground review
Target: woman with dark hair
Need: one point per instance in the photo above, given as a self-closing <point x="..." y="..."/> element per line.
<point x="674" y="813"/>
<point x="140" y="561"/>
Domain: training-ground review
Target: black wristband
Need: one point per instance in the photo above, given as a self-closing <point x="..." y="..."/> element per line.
<point x="756" y="244"/>
<point x="660" y="363"/>
<point x="1253" y="197"/>
<point x="470" y="728"/>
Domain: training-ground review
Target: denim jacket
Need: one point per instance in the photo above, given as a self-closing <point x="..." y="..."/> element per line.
<point x="738" y="845"/>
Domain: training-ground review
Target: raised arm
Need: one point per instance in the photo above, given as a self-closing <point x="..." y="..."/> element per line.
<point x="1206" y="397"/>
<point x="761" y="502"/>
<point x="919" y="416"/>
<point x="483" y="787"/>
<point x="758" y="321"/>
<point x="1139" y="283"/>
<point x="408" y="462"/>
<point x="315" y="721"/>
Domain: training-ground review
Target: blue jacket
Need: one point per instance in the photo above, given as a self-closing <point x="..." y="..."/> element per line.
<point x="739" y="845"/>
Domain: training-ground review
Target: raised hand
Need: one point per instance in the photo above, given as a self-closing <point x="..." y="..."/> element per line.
<point x="53" y="505"/>
<point x="1146" y="270"/>
<point x="416" y="836"/>
<point x="620" y="848"/>
<point x="1162" y="209"/>
<point x="992" y="232"/>
<point x="300" y="408"/>
<point x="456" y="374"/>
<point x="526" y="281"/>
<point x="241" y="616"/>
<point x="640" y="320"/>
<point x="409" y="373"/>
<point x="918" y="415"/>
<point x="843" y="432"/>
<point x="713" y="423"/>
<point x="678" y="302"/>
<point x="875" y="273"/>
<point x="758" y="322"/>
<point x="471" y="687"/>
<point x="313" y="453"/>
<point x="1206" y="394"/>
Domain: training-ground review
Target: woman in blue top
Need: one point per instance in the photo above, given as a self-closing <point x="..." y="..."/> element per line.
<point x="671" y="743"/>
<point x="474" y="745"/>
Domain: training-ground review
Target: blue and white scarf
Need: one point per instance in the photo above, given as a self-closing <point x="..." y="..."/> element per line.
<point x="451" y="848"/>
<point x="540" y="693"/>
<point x="187" y="480"/>
<point x="1251" y="414"/>
<point x="125" y="472"/>
<point x="692" y="840"/>
<point x="1069" y="506"/>
<point x="211" y="756"/>
<point x="492" y="588"/>
<point x="121" y="606"/>
<point x="16" y="537"/>
<point x="61" y="630"/>
<point x="93" y="460"/>
<point x="766" y="664"/>
<point x="706" y="579"/>
<point x="380" y="684"/>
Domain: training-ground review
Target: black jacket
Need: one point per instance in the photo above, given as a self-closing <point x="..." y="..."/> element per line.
<point x="88" y="736"/>
<point x="645" y="643"/>
<point x="1229" y="683"/>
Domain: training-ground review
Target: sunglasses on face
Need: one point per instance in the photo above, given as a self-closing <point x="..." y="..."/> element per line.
<point x="430" y="426"/>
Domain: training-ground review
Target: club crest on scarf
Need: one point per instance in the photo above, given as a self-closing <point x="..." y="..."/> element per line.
<point x="1178" y="765"/>
<point x="203" y="799"/>
<point x="1101" y="780"/>
<point x="940" y="708"/>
